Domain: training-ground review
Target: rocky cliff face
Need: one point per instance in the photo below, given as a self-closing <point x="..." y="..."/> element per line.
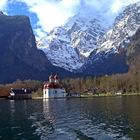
<point x="85" y="45"/>
<point x="110" y="57"/>
<point x="16" y="36"/>
<point x="70" y="45"/>
<point x="19" y="56"/>
<point x="133" y="53"/>
<point x="125" y="26"/>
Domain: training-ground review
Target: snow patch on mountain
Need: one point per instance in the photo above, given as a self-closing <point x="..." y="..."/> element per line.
<point x="113" y="44"/>
<point x="125" y="26"/>
<point x="69" y="46"/>
<point x="59" y="51"/>
<point x="86" y="37"/>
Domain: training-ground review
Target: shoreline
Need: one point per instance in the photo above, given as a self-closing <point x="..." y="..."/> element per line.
<point x="82" y="96"/>
<point x="110" y="95"/>
<point x="92" y="96"/>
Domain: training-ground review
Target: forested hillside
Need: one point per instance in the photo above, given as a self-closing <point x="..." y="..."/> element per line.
<point x="126" y="83"/>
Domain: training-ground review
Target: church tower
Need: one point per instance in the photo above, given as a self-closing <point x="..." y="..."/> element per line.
<point x="52" y="88"/>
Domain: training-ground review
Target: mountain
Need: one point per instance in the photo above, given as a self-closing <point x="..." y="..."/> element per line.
<point x="133" y="54"/>
<point x="110" y="57"/>
<point x="19" y="56"/>
<point x="70" y="45"/>
<point x="124" y="27"/>
<point x="84" y="44"/>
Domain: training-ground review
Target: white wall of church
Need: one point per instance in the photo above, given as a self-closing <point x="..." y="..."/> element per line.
<point x="53" y="93"/>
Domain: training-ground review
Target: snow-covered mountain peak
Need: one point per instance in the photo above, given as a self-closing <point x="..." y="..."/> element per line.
<point x="110" y="56"/>
<point x="125" y="26"/>
<point x="86" y="37"/>
<point x="75" y="40"/>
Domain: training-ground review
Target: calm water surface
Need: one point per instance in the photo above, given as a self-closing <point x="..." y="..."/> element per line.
<point x="101" y="118"/>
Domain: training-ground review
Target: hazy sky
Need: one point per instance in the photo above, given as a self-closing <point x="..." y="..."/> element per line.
<point x="47" y="14"/>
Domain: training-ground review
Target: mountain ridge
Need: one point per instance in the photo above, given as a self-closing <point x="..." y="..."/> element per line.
<point x="90" y="42"/>
<point x="77" y="49"/>
<point x="75" y="40"/>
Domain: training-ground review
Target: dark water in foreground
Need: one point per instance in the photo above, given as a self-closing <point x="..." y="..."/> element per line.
<point x="103" y="118"/>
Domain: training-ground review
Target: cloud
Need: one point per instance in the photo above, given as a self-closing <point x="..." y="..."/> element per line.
<point x="117" y="5"/>
<point x="3" y="5"/>
<point x="52" y="13"/>
<point x="40" y="33"/>
<point x="108" y="9"/>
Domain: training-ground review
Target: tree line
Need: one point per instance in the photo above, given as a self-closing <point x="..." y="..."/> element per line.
<point x="126" y="83"/>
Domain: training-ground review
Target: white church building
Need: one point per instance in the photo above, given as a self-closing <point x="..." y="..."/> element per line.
<point x="52" y="88"/>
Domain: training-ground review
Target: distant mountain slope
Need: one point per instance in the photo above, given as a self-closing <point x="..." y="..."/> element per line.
<point x="125" y="26"/>
<point x="69" y="46"/>
<point x="110" y="57"/>
<point x="133" y="53"/>
<point x="84" y="45"/>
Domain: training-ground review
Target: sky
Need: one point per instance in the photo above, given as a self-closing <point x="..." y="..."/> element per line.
<point x="47" y="14"/>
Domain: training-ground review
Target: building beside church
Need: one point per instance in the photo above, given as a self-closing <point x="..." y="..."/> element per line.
<point x="20" y="93"/>
<point x="52" y="88"/>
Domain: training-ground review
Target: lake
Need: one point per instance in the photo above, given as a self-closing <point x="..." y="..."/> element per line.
<point x="98" y="118"/>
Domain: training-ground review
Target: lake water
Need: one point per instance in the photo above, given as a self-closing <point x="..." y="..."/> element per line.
<point x="99" y="118"/>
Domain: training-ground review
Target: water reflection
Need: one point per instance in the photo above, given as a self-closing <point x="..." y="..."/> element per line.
<point x="12" y="109"/>
<point x="82" y="119"/>
<point x="105" y="118"/>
